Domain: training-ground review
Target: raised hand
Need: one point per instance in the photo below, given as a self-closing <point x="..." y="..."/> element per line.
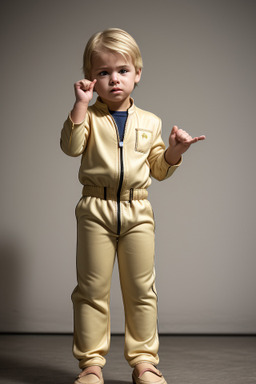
<point x="84" y="94"/>
<point x="179" y="142"/>
<point x="84" y="90"/>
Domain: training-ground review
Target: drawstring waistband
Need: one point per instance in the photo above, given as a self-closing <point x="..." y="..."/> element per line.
<point x="107" y="193"/>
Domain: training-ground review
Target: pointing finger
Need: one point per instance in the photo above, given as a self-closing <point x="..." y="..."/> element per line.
<point x="196" y="139"/>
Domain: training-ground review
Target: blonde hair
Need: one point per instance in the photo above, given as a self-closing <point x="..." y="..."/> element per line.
<point x="115" y="40"/>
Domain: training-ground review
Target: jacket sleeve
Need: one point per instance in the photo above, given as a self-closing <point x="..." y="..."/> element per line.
<point x="74" y="136"/>
<point x="159" y="168"/>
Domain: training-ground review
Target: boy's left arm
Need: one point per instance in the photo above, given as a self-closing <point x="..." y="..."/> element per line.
<point x="179" y="142"/>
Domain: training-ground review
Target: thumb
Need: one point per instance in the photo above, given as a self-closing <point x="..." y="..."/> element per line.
<point x="92" y="84"/>
<point x="174" y="130"/>
<point x="172" y="138"/>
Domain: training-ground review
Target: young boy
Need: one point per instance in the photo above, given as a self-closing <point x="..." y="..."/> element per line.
<point x="121" y="147"/>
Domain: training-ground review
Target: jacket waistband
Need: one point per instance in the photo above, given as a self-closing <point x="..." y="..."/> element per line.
<point x="107" y="193"/>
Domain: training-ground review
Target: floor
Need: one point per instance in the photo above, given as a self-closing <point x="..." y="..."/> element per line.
<point x="47" y="359"/>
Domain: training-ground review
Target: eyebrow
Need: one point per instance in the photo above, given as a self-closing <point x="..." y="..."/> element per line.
<point x="106" y="67"/>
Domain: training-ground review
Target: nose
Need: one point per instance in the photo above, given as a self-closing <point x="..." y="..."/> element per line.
<point x="114" y="78"/>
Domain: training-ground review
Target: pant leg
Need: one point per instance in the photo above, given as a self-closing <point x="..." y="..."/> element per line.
<point x="136" y="248"/>
<point x="96" y="249"/>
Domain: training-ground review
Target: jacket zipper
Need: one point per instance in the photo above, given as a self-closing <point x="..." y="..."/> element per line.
<point x="121" y="178"/>
<point x="121" y="145"/>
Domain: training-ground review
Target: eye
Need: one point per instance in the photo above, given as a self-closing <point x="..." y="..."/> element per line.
<point x="123" y="71"/>
<point x="103" y="73"/>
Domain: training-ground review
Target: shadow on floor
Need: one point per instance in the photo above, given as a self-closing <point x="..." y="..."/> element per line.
<point x="116" y="382"/>
<point x="24" y="373"/>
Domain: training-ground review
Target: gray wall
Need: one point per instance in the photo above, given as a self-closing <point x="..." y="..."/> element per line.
<point x="199" y="73"/>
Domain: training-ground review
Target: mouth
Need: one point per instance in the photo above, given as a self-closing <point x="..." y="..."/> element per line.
<point x="116" y="90"/>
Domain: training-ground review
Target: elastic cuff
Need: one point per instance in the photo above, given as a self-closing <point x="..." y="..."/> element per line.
<point x="92" y="362"/>
<point x="72" y="122"/>
<point x="144" y="359"/>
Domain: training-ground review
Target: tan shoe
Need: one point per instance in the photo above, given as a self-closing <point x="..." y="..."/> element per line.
<point x="89" y="376"/>
<point x="148" y="376"/>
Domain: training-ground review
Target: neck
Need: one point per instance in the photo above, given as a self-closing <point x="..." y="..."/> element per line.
<point x="118" y="106"/>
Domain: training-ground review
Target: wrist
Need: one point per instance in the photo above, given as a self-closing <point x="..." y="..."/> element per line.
<point x="81" y="104"/>
<point x="171" y="157"/>
<point x="79" y="111"/>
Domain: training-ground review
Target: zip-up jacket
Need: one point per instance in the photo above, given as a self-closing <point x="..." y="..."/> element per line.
<point x="108" y="162"/>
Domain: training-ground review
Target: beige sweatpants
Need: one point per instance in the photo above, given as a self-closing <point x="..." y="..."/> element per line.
<point x="97" y="247"/>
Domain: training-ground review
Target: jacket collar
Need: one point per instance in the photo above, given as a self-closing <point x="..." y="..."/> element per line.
<point x="103" y="107"/>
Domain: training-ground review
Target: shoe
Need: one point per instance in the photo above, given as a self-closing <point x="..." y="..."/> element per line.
<point x="89" y="377"/>
<point x="146" y="377"/>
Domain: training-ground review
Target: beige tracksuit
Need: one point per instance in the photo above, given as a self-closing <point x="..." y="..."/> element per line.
<point x="114" y="217"/>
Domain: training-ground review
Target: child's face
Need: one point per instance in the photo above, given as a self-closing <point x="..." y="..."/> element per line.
<point x="116" y="77"/>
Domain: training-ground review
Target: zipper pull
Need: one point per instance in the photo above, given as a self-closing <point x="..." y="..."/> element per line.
<point x="121" y="144"/>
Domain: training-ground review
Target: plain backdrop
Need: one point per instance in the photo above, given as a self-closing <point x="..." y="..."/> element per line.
<point x="199" y="73"/>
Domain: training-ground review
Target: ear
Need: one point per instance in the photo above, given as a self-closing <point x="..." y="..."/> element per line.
<point x="138" y="76"/>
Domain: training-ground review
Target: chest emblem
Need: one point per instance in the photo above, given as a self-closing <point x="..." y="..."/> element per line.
<point x="143" y="140"/>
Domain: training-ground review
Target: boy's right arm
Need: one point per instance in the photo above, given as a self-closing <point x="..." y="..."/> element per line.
<point x="74" y="133"/>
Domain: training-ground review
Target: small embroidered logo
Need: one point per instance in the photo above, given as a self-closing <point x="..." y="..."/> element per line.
<point x="144" y="136"/>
